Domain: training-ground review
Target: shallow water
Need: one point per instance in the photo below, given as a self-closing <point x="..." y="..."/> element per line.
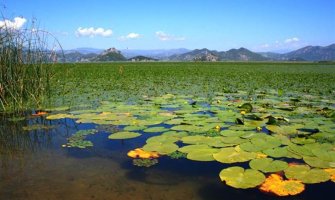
<point x="33" y="165"/>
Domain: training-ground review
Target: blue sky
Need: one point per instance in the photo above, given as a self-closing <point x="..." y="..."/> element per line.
<point x="259" y="25"/>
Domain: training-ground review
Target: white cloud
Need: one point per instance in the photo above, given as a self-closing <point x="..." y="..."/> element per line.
<point x="16" y="24"/>
<point x="166" y="37"/>
<point x="130" y="36"/>
<point x="292" y="40"/>
<point x="91" y="32"/>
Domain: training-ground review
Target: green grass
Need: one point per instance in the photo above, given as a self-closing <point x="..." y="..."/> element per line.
<point x="93" y="82"/>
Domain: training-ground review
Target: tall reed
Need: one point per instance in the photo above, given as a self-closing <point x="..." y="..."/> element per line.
<point x="26" y="59"/>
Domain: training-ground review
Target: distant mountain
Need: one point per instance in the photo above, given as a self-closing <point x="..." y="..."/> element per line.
<point x="196" y="55"/>
<point x="240" y="54"/>
<point x="77" y="56"/>
<point x="313" y="53"/>
<point x="161" y="54"/>
<point x="141" y="59"/>
<point x="110" y="54"/>
<point x="84" y="50"/>
<point x="308" y="53"/>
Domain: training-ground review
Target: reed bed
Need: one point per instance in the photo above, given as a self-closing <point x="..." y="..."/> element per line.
<point x="26" y="59"/>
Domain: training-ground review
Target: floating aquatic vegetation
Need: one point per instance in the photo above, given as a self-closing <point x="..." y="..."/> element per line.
<point x="161" y="148"/>
<point x="78" y="139"/>
<point x="208" y="133"/>
<point x="233" y="155"/>
<point x="276" y="185"/>
<point x="144" y="162"/>
<point x="177" y="155"/>
<point x="305" y="174"/>
<point x="267" y="165"/>
<point x="239" y="177"/>
<point x="123" y="135"/>
<point x="140" y="153"/>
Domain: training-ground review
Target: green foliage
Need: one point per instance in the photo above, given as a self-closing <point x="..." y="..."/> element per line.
<point x="177" y="155"/>
<point x="123" y="135"/>
<point x="78" y="139"/>
<point x="238" y="177"/>
<point x="144" y="162"/>
<point x="25" y="67"/>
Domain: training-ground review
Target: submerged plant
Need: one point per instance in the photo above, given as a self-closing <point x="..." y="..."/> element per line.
<point x="144" y="162"/>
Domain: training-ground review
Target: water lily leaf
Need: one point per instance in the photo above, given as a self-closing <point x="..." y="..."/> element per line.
<point x="229" y="133"/>
<point x="317" y="162"/>
<point x="237" y="177"/>
<point x="162" y="139"/>
<point x="123" y="135"/>
<point x="276" y="185"/>
<point x="234" y="140"/>
<point x="247" y="107"/>
<point x="193" y="139"/>
<point x="134" y="128"/>
<point x="176" y="134"/>
<point x="260" y="144"/>
<point x="284" y="130"/>
<point x="202" y="154"/>
<point x="233" y="155"/>
<point x="157" y="129"/>
<point x="300" y="150"/>
<point x="324" y="154"/>
<point x="303" y="140"/>
<point x="163" y="149"/>
<point x="188" y="128"/>
<point x="193" y="147"/>
<point x="305" y="174"/>
<point x="277" y="152"/>
<point x="268" y="165"/>
<point x="174" y="121"/>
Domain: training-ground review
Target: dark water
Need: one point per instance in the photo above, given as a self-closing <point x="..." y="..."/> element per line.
<point x="33" y="165"/>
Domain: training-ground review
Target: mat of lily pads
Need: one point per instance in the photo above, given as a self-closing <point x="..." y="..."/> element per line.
<point x="294" y="135"/>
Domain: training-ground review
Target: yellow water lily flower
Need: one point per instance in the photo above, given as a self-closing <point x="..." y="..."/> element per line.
<point x="140" y="153"/>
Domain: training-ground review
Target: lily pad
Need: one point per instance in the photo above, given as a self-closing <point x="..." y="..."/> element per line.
<point x="123" y="135"/>
<point x="237" y="177"/>
<point x="307" y="175"/>
<point x="277" y="152"/>
<point x="261" y="143"/>
<point x="162" y="139"/>
<point x="163" y="149"/>
<point x="233" y="155"/>
<point x="202" y="154"/>
<point x="157" y="129"/>
<point x="268" y="165"/>
<point x="317" y="162"/>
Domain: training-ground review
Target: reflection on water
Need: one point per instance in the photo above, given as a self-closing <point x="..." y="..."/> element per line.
<point x="35" y="166"/>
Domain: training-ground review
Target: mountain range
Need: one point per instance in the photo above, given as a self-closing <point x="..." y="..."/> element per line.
<point x="308" y="53"/>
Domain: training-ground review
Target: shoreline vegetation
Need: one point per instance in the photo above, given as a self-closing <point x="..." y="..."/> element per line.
<point x="26" y="61"/>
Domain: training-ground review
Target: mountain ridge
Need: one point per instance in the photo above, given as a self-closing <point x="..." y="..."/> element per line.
<point x="307" y="53"/>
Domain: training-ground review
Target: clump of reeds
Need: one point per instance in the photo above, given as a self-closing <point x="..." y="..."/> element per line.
<point x="26" y="61"/>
